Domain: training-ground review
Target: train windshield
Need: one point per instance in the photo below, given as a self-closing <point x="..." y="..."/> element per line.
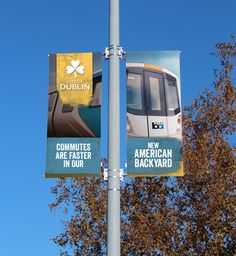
<point x="134" y="91"/>
<point x="172" y="99"/>
<point x="155" y="98"/>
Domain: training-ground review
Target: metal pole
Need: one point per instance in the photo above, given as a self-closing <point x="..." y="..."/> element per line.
<point x="113" y="212"/>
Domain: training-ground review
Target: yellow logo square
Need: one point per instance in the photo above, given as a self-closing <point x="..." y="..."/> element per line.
<point x="75" y="78"/>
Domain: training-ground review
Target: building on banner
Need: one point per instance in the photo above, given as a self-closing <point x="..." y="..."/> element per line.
<point x="74" y="115"/>
<point x="154" y="123"/>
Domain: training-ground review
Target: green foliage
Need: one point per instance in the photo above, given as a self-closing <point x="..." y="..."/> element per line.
<point x="190" y="215"/>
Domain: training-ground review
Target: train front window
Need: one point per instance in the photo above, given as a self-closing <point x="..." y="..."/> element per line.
<point x="134" y="91"/>
<point x="155" y="93"/>
<point x="172" y="98"/>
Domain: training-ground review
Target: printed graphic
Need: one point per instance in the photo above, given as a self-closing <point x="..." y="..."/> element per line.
<point x="74" y="115"/>
<point x="75" y="78"/>
<point x="74" y="68"/>
<point x="154" y="122"/>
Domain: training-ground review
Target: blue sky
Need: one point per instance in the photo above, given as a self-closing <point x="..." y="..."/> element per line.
<point x="29" y="31"/>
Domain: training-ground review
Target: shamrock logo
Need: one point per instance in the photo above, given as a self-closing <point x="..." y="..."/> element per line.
<point x="74" y="68"/>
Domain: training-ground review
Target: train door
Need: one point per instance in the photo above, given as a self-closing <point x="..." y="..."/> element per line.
<point x="156" y="105"/>
<point x="91" y="115"/>
<point x="68" y="123"/>
<point x="136" y="104"/>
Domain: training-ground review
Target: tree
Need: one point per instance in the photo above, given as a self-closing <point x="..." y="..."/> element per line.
<point x="190" y="215"/>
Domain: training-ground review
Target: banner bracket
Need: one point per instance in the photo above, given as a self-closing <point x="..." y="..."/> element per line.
<point x="114" y="49"/>
<point x="121" y="174"/>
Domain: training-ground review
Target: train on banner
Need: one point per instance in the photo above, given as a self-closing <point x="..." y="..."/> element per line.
<point x="154" y="124"/>
<point x="74" y="115"/>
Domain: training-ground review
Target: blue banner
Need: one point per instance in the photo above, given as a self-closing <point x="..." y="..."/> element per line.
<point x="74" y="115"/>
<point x="154" y="156"/>
<point x="154" y="114"/>
<point x="69" y="157"/>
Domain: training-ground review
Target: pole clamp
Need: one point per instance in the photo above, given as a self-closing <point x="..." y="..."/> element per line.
<point x="115" y="50"/>
<point x="106" y="174"/>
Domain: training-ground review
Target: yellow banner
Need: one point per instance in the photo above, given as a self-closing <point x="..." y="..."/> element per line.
<point x="75" y="78"/>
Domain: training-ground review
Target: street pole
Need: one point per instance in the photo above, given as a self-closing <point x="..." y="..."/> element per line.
<point x="113" y="193"/>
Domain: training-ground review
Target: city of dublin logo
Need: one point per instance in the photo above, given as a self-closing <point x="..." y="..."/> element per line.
<point x="75" y="68"/>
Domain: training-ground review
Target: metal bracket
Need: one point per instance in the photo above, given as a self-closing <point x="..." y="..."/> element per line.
<point x="114" y="50"/>
<point x="106" y="174"/>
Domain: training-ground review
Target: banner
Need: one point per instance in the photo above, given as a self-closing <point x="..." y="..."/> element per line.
<point x="154" y="124"/>
<point x="74" y="115"/>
